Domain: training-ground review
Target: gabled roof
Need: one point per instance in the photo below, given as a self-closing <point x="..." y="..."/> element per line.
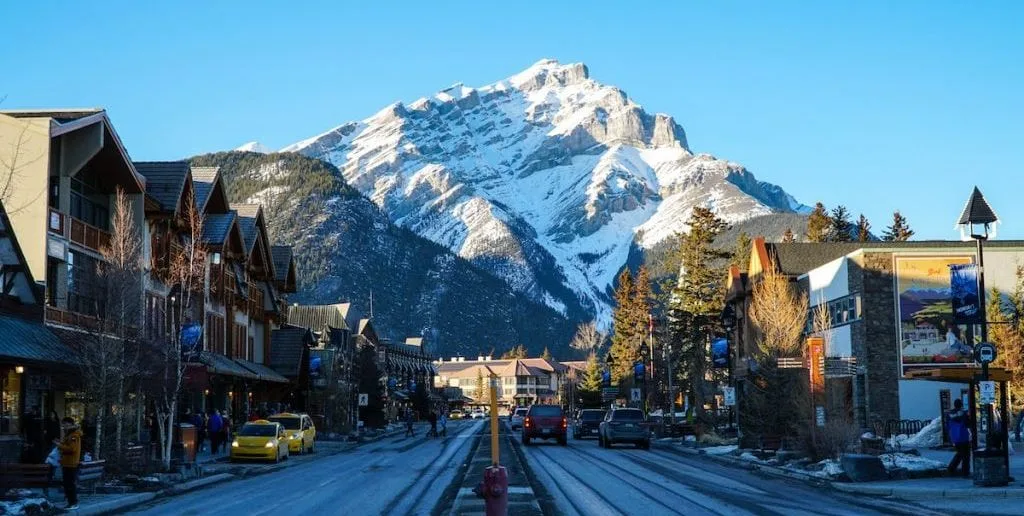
<point x="287" y="349"/>
<point x="284" y="267"/>
<point x="247" y="219"/>
<point x="165" y="181"/>
<point x="217" y="227"/>
<point x="796" y="258"/>
<point x="209" y="185"/>
<point x="15" y="269"/>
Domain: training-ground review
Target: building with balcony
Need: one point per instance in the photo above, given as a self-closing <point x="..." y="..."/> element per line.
<point x="521" y="381"/>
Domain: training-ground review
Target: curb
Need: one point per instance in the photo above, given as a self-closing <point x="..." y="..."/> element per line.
<point x="924" y="493"/>
<point x="110" y="506"/>
<point x="753" y="466"/>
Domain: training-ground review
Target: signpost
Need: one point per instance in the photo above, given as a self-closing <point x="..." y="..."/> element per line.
<point x="364" y="399"/>
<point x="987" y="392"/>
<point x="729" y="393"/>
<point x="634" y="394"/>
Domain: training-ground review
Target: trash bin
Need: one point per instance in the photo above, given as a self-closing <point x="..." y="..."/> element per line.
<point x="990" y="468"/>
<point x="184" y="448"/>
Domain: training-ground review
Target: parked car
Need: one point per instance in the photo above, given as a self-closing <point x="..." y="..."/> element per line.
<point x="300" y="429"/>
<point x="587" y="423"/>
<point x="545" y="422"/>
<point x="455" y="414"/>
<point x="624" y="425"/>
<point x="516" y="421"/>
<point x="260" y="439"/>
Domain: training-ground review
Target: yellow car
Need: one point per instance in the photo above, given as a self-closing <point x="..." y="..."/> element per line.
<point x="260" y="439"/>
<point x="300" y="430"/>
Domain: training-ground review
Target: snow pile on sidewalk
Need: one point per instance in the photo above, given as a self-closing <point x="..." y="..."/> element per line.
<point x="720" y="450"/>
<point x="26" y="506"/>
<point x="929" y="437"/>
<point x="828" y="468"/>
<point x="747" y="456"/>
<point x="910" y="462"/>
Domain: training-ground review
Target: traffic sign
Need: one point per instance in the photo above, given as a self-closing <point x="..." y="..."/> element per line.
<point x="609" y="394"/>
<point x="634" y="394"/>
<point x="987" y="392"/>
<point x="364" y="399"/>
<point x="729" y="393"/>
<point x="985" y="353"/>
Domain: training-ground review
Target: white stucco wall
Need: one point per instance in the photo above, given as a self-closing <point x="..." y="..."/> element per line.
<point x="919" y="399"/>
<point x="828" y="282"/>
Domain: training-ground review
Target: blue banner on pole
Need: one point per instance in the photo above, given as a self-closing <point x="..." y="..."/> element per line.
<point x="191" y="341"/>
<point x="720" y="353"/>
<point x="638" y="371"/>
<point x="314" y="366"/>
<point x="606" y="378"/>
<point x="966" y="301"/>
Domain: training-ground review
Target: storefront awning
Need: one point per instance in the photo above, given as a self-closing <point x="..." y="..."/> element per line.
<point x="220" y="364"/>
<point x="264" y="373"/>
<point x="24" y="341"/>
<point x="957" y="374"/>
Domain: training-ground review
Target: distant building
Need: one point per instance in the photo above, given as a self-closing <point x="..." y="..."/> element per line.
<point x="522" y="381"/>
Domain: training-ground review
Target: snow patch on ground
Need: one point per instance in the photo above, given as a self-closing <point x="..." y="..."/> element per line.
<point x="21" y="506"/>
<point x="929" y="437"/>
<point x="720" y="450"/>
<point x="910" y="462"/>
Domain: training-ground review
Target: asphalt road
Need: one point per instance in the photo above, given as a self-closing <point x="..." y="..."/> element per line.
<point x="396" y="475"/>
<point x="583" y="479"/>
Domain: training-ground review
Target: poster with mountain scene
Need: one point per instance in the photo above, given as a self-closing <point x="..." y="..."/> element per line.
<point x="927" y="333"/>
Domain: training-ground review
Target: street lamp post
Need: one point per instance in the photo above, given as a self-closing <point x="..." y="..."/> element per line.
<point x="729" y="323"/>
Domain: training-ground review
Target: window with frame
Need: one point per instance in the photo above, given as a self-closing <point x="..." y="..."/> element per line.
<point x="844" y="310"/>
<point x="239" y="341"/>
<point x="215" y="333"/>
<point x="156" y="316"/>
<point x="88" y="203"/>
<point x="85" y="291"/>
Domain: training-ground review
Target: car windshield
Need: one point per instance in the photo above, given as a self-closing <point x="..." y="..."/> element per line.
<point x="258" y="431"/>
<point x="592" y="415"/>
<point x="522" y="411"/>
<point x="545" y="411"/>
<point x="291" y="423"/>
<point x="627" y="415"/>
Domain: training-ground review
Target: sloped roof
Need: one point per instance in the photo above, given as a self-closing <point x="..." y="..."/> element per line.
<point x="32" y="342"/>
<point x="165" y="181"/>
<point x="221" y="364"/>
<point x="287" y="346"/>
<point x="264" y="373"/>
<point x="216" y="227"/>
<point x="794" y="259"/>
<point x="318" y="317"/>
<point x="203" y="179"/>
<point x="977" y="210"/>
<point x="247" y="214"/>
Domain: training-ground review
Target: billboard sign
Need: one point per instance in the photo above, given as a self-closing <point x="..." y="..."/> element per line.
<point x="963" y="284"/>
<point x="928" y="333"/>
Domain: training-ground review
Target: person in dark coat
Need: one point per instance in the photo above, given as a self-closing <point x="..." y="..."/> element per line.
<point x="215" y="427"/>
<point x="52" y="427"/>
<point x="960" y="436"/>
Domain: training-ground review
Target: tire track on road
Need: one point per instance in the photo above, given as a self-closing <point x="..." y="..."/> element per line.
<point x="586" y="485"/>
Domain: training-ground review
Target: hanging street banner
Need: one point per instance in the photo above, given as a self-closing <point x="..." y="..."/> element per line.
<point x="720" y="353"/>
<point x="191" y="342"/>
<point x="963" y="286"/>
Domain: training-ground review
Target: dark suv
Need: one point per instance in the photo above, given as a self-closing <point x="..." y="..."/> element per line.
<point x="587" y="423"/>
<point x="624" y="425"/>
<point x="545" y="422"/>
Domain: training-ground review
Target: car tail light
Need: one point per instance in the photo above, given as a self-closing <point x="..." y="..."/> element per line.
<point x="565" y="422"/>
<point x="527" y="421"/>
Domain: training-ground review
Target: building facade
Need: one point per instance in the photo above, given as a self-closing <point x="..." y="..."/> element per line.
<point x="521" y="381"/>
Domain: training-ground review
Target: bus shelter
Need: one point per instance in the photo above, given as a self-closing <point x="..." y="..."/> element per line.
<point x="989" y="421"/>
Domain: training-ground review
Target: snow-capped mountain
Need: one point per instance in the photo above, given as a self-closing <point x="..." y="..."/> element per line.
<point x="546" y="179"/>
<point x="254" y="147"/>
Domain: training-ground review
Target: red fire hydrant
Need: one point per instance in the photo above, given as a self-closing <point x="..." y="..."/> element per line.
<point x="494" y="490"/>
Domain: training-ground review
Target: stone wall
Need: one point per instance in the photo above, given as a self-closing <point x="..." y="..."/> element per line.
<point x="878" y="337"/>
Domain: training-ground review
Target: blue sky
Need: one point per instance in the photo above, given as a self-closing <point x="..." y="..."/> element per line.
<point x="875" y="105"/>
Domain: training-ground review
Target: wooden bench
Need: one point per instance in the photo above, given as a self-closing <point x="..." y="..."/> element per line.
<point x="13" y="475"/>
<point x="90" y="474"/>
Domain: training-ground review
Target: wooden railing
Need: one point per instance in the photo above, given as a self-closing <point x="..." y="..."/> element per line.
<point x="88" y="235"/>
<point x="86" y="322"/>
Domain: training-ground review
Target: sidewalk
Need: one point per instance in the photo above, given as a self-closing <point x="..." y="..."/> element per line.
<point x="521" y="499"/>
<point x="944" y="487"/>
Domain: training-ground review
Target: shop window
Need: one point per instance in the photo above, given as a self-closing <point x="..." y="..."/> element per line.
<point x="10" y="411"/>
<point x="85" y="287"/>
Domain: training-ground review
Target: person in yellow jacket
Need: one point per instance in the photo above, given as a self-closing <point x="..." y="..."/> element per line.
<point x="70" y="457"/>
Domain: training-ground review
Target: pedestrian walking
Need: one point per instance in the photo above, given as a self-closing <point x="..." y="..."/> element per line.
<point x="960" y="436"/>
<point x="215" y="426"/>
<point x="408" y="423"/>
<point x="432" y="417"/>
<point x="442" y="423"/>
<point x="70" y="457"/>
<point x="200" y="424"/>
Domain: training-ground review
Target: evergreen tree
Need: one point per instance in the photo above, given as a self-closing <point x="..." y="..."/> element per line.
<point x="840" y="227"/>
<point x="546" y="355"/>
<point x="590" y="386"/>
<point x="741" y="253"/>
<point x="787" y="237"/>
<point x="624" y="350"/>
<point x="863" y="229"/>
<point x="899" y="230"/>
<point x="696" y="304"/>
<point x="372" y="414"/>
<point x="481" y="387"/>
<point x="516" y="352"/>
<point x="818" y="224"/>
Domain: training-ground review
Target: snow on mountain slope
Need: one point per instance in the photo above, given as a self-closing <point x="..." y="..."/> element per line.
<point x="254" y="147"/>
<point x="544" y="179"/>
